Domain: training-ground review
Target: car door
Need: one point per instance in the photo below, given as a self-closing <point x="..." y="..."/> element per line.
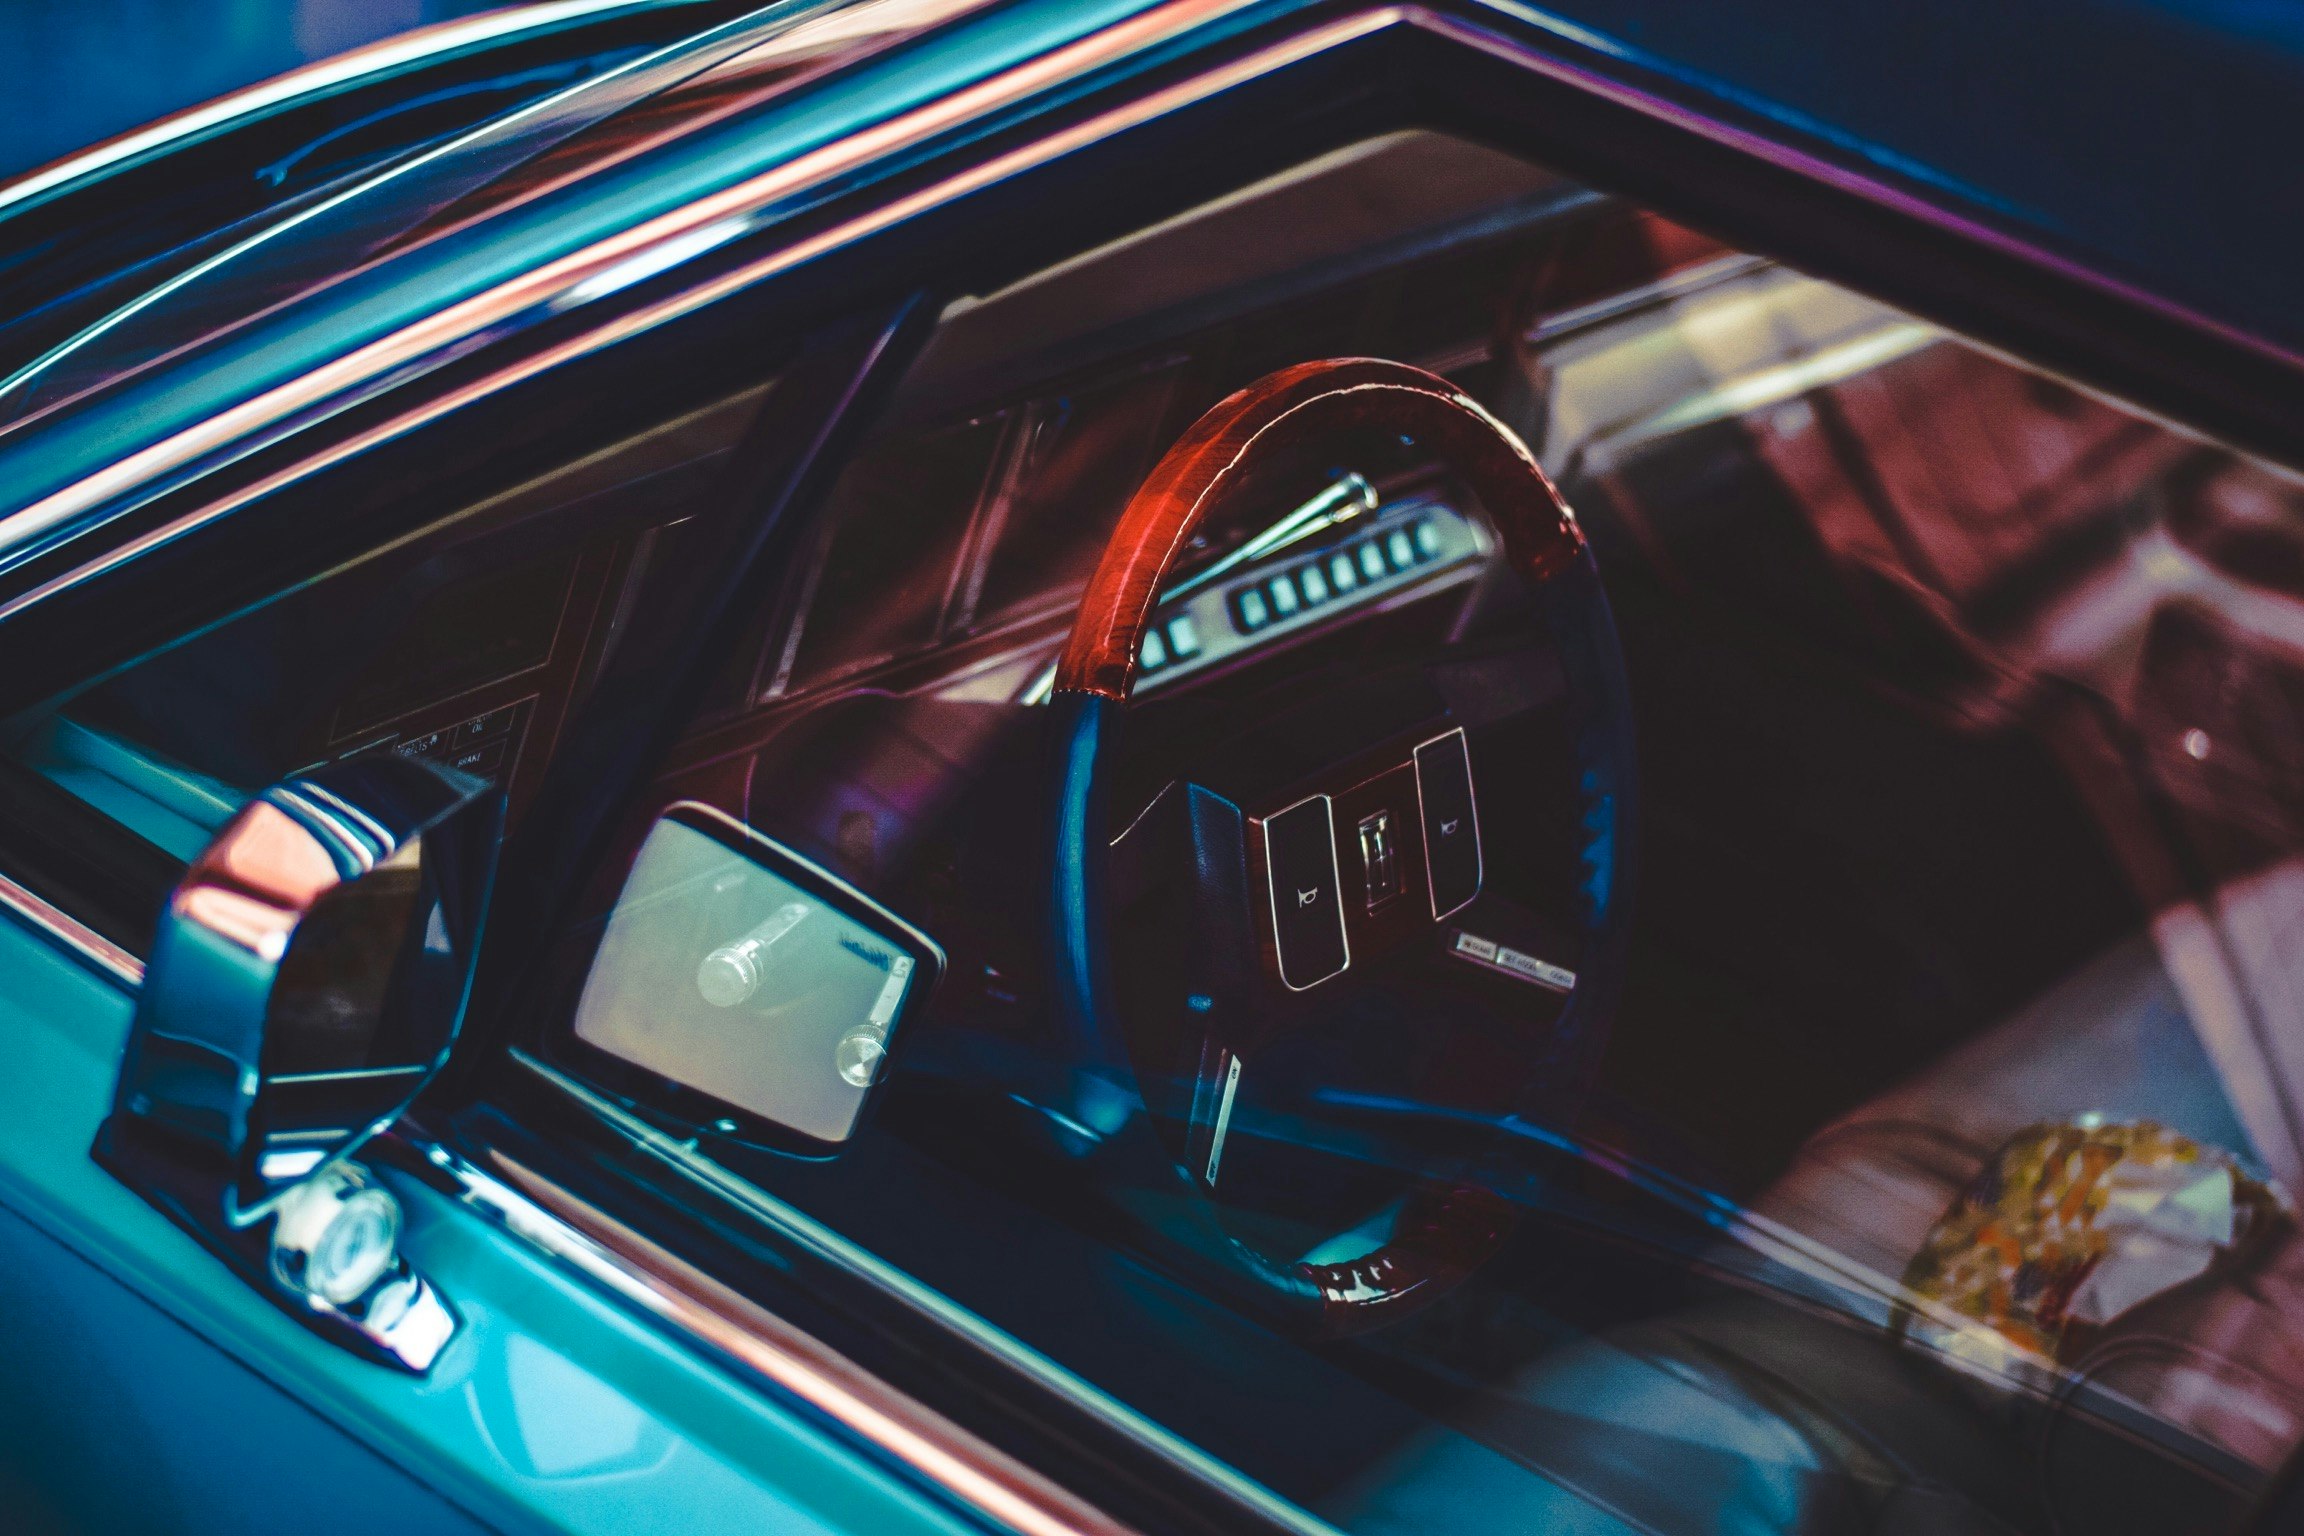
<point x="714" y="1320"/>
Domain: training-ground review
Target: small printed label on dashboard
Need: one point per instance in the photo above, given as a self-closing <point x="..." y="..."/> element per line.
<point x="1495" y="956"/>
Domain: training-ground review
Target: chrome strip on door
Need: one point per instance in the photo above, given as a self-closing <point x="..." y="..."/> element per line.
<point x="311" y="80"/>
<point x="988" y="1480"/>
<point x="73" y="934"/>
<point x="1185" y="1458"/>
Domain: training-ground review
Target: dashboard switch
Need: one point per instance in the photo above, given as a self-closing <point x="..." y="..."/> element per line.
<point x="1372" y="561"/>
<point x="1249" y="612"/>
<point x="1153" y="652"/>
<point x="1451" y="821"/>
<point x="1283" y="590"/>
<point x="1315" y="585"/>
<point x="1401" y="548"/>
<point x="1183" y="637"/>
<point x="1307" y="909"/>
<point x="1379" y="859"/>
<point x="1342" y="574"/>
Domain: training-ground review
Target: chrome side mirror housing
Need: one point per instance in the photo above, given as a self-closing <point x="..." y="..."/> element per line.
<point x="308" y="978"/>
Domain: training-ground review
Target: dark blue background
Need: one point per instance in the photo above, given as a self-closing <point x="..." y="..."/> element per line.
<point x="76" y="71"/>
<point x="2161" y="138"/>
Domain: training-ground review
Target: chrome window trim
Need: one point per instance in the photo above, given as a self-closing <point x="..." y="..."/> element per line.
<point x="981" y="1477"/>
<point x="748" y="42"/>
<point x="867" y="1268"/>
<point x="316" y="79"/>
<point x="74" y="935"/>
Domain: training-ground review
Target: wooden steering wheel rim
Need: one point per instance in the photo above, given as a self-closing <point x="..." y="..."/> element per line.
<point x="1310" y="399"/>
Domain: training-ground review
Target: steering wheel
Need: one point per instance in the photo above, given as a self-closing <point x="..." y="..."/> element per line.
<point x="1448" y="1224"/>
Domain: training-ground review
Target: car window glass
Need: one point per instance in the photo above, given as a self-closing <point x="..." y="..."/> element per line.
<point x="1938" y="1162"/>
<point x="880" y="582"/>
<point x="1081" y="456"/>
<point x="1926" y="1157"/>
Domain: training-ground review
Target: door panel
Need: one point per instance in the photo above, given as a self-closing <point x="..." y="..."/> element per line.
<point x="165" y="1395"/>
<point x="120" y="1418"/>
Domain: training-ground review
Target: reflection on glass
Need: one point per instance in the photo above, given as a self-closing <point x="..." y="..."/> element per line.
<point x="898" y="518"/>
<point x="1942" y="1166"/>
<point x="1088" y="450"/>
<point x="723" y="976"/>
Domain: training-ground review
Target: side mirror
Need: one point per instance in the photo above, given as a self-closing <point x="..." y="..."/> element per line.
<point x="307" y="979"/>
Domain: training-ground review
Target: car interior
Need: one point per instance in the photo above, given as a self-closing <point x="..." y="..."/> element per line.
<point x="1489" y="1023"/>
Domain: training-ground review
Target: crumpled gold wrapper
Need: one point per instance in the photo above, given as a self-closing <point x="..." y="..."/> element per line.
<point x="2069" y="1226"/>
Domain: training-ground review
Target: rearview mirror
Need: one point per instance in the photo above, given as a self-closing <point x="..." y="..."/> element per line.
<point x="307" y="979"/>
